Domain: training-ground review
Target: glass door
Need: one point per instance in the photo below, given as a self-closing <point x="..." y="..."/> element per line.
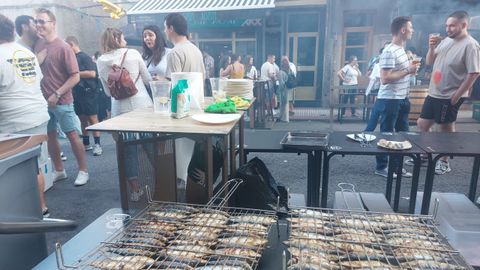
<point x="302" y="50"/>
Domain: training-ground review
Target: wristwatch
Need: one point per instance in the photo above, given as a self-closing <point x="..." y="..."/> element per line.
<point x="57" y="94"/>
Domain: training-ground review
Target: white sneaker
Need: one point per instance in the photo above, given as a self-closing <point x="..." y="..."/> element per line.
<point x="82" y="178"/>
<point x="442" y="167"/>
<point x="63" y="157"/>
<point x="62" y="175"/>
<point x="478" y="200"/>
<point x="88" y="147"/>
<point x="97" y="150"/>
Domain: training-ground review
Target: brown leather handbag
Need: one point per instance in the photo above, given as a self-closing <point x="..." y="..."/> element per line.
<point x="120" y="82"/>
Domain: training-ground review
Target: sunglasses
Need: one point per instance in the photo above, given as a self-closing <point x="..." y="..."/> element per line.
<point x="40" y="21"/>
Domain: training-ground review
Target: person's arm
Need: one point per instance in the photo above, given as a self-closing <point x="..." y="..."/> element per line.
<point x="226" y="72"/>
<point x="432" y="46"/>
<point x="87" y="74"/>
<point x="358" y="70"/>
<point x="387" y="75"/>
<point x="90" y="71"/>
<point x="464" y="87"/>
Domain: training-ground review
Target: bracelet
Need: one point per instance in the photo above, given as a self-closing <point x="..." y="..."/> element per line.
<point x="57" y="94"/>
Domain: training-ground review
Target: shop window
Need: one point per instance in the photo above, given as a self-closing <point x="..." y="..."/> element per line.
<point x="215" y="35"/>
<point x="358" y="42"/>
<point x="303" y="22"/>
<point x="245" y="34"/>
<point x="306" y="51"/>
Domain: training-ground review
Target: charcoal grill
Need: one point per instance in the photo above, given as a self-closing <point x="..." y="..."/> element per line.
<point x="348" y="237"/>
<point x="167" y="255"/>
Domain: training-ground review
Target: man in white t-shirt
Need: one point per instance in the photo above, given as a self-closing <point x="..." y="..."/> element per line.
<point x="392" y="102"/>
<point x="22" y="106"/>
<point x="269" y="72"/>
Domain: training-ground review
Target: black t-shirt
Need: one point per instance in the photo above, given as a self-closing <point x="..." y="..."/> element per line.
<point x="85" y="63"/>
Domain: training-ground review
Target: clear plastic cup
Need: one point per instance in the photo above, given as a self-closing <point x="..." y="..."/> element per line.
<point x="161" y="96"/>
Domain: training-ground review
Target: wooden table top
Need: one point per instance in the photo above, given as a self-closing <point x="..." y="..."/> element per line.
<point x="145" y="120"/>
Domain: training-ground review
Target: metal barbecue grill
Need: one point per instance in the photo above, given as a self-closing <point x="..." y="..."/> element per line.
<point x="165" y="236"/>
<point x="348" y="239"/>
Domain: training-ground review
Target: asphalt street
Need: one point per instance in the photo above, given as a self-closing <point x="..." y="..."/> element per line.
<point x="84" y="204"/>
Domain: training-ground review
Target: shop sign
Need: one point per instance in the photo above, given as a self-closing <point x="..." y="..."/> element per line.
<point x="216" y="20"/>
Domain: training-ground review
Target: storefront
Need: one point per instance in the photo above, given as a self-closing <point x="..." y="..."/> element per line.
<point x="257" y="28"/>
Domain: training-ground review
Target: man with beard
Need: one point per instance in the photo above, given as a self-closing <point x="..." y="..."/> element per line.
<point x="456" y="66"/>
<point x="60" y="75"/>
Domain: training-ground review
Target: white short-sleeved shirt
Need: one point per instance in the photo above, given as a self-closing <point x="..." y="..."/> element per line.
<point x="455" y="59"/>
<point x="351" y="75"/>
<point x="395" y="58"/>
<point x="161" y="68"/>
<point x="22" y="105"/>
<point x="266" y="71"/>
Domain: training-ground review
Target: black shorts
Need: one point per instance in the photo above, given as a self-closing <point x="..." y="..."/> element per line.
<point x="440" y="110"/>
<point x="85" y="102"/>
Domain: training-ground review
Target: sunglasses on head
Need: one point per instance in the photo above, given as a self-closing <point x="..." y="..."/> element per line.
<point x="40" y="21"/>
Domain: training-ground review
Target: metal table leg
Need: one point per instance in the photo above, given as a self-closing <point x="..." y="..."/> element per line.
<point x="209" y="166"/>
<point x="232" y="154"/>
<point x="326" y="168"/>
<point x="473" y="182"/>
<point x="427" y="192"/>
<point x="398" y="184"/>
<point x="415" y="179"/>
<point x="121" y="170"/>
<point x="310" y="178"/>
<point x="317" y="179"/>
<point x="225" y="164"/>
<point x="241" y="139"/>
<point x="388" y="191"/>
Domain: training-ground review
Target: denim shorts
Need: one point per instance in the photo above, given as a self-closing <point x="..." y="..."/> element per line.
<point x="66" y="118"/>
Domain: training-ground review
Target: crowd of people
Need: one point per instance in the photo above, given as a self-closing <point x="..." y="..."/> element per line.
<point x="48" y="85"/>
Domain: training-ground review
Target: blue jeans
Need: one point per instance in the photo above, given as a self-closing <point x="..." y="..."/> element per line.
<point x="393" y="115"/>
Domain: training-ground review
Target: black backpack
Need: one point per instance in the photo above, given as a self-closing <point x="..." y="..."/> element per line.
<point x="259" y="189"/>
<point x="291" y="80"/>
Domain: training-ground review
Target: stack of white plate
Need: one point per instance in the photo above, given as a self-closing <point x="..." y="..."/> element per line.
<point x="237" y="87"/>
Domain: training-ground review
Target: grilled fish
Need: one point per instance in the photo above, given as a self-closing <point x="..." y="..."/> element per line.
<point x="313" y="214"/>
<point x="157" y="236"/>
<point x="172" y="265"/>
<point x="143" y="241"/>
<point x="357" y="248"/>
<point x="310" y="266"/>
<point x="208" y="222"/>
<point x="243" y="241"/>
<point x="265" y="220"/>
<point x="168" y="215"/>
<point x="190" y="248"/>
<point x="366" y="265"/>
<point x="312" y="244"/>
<point x="366" y="224"/>
<point x="395" y="218"/>
<point x="221" y="267"/>
<point x="433" y="265"/>
<point x="310" y="235"/>
<point x="415" y="243"/>
<point x="123" y="263"/>
<point x="238" y="252"/>
<point x="222" y="216"/>
<point x="193" y="242"/>
<point x="234" y="262"/>
<point x="300" y="254"/>
<point x="131" y="251"/>
<point x="248" y="226"/>
<point x="198" y="234"/>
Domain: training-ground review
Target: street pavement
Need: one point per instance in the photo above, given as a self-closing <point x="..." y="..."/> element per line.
<point x="84" y="204"/>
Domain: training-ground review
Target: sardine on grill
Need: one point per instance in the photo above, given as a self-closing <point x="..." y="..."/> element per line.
<point x="131" y="251"/>
<point x="313" y="214"/>
<point x="168" y="215"/>
<point x="266" y="220"/>
<point x="312" y="244"/>
<point x="172" y="265"/>
<point x="304" y="255"/>
<point x="191" y="248"/>
<point x="238" y="252"/>
<point x="199" y="242"/>
<point x="432" y="265"/>
<point x="367" y="264"/>
<point x="197" y="234"/>
<point x="123" y="263"/>
<point x="231" y="262"/>
<point x="243" y="241"/>
<point x="142" y="241"/>
<point x="415" y="243"/>
<point x="311" y="266"/>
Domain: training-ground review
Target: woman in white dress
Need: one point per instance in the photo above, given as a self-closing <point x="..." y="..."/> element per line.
<point x="155" y="52"/>
<point x="114" y="49"/>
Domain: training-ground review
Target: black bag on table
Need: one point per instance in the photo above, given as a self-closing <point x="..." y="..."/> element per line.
<point x="259" y="189"/>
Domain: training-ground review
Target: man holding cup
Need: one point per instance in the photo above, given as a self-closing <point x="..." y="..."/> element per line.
<point x="456" y="66"/>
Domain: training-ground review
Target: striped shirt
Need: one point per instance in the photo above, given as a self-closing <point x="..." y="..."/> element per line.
<point x="395" y="58"/>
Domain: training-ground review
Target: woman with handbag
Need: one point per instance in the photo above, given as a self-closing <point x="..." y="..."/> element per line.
<point x="128" y="93"/>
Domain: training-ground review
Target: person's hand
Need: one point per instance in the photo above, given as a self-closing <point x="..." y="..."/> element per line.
<point x="433" y="41"/>
<point x="454" y="100"/>
<point x="413" y="68"/>
<point x="52" y="100"/>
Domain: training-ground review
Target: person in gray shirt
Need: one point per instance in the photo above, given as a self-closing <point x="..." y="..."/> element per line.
<point x="456" y="66"/>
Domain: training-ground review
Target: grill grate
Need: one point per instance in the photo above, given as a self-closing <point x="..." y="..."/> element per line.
<point x="185" y="236"/>
<point x="346" y="239"/>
